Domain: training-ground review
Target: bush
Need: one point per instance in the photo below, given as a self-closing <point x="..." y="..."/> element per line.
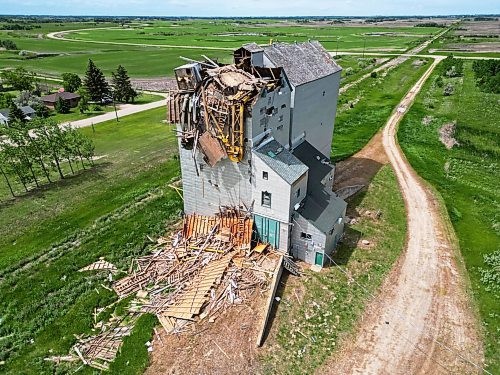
<point x="373" y="75"/>
<point x="62" y="106"/>
<point x="448" y="90"/>
<point x="487" y="74"/>
<point x="96" y="108"/>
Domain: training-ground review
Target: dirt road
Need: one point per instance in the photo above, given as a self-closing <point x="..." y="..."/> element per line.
<point x="422" y="321"/>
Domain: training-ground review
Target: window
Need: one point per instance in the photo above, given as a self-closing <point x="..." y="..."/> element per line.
<point x="280" y="127"/>
<point x="263" y="110"/>
<point x="266" y="199"/>
<point x="281" y="118"/>
<point x="306" y="236"/>
<point x="263" y="122"/>
<point x="265" y="175"/>
<point x="297" y="194"/>
<point x="324" y="92"/>
<point x="283" y="106"/>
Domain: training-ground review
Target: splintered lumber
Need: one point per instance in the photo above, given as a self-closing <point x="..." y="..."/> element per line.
<point x="98" y="266"/>
<point x="192" y="300"/>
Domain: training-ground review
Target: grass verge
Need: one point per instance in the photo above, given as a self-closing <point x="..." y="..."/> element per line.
<point x="320" y="309"/>
<point x="365" y="108"/>
<point x="466" y="176"/>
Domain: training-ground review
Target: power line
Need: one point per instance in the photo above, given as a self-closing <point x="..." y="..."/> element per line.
<point x="444" y="346"/>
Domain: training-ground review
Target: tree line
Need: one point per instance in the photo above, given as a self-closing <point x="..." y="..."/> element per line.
<point x="487" y="74"/>
<point x="32" y="157"/>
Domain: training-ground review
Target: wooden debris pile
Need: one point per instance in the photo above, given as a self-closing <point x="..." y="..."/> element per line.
<point x="196" y="275"/>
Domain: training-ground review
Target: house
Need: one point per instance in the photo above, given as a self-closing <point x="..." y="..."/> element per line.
<point x="256" y="135"/>
<point x="51" y="100"/>
<point x="29" y="113"/>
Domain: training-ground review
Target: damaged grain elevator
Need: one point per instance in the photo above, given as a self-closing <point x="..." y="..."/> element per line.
<point x="256" y="134"/>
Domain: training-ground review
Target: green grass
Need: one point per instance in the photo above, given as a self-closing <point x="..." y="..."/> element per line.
<point x="154" y="61"/>
<point x="75" y="115"/>
<point x="378" y="97"/>
<point x="45" y="237"/>
<point x="134" y="357"/>
<point x="329" y="305"/>
<point x="467" y="178"/>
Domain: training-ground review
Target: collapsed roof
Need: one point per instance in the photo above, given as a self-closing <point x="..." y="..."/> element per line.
<point x="212" y="102"/>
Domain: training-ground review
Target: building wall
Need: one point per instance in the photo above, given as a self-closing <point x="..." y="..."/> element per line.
<point x="280" y="198"/>
<point x="279" y="121"/>
<point x="298" y="191"/>
<point x="314" y="109"/>
<point x="227" y="183"/>
<point x="305" y="249"/>
<point x="333" y="238"/>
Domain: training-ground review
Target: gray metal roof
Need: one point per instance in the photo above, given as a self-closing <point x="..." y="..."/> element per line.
<point x="319" y="165"/>
<point x="280" y="160"/>
<point x="302" y="62"/>
<point x="323" y="209"/>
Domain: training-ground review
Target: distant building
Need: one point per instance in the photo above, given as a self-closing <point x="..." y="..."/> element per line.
<point x="29" y="113"/>
<point x="257" y="135"/>
<point x="51" y="100"/>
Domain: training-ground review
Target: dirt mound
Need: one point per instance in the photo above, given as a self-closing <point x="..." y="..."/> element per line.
<point x="446" y="135"/>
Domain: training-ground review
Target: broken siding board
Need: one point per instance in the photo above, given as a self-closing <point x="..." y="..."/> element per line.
<point x="192" y="300"/>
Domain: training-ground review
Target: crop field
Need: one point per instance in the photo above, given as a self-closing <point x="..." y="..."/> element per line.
<point x="469" y="38"/>
<point x="148" y="54"/>
<point x="467" y="178"/>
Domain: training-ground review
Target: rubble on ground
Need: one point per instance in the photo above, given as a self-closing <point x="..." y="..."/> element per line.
<point x="195" y="275"/>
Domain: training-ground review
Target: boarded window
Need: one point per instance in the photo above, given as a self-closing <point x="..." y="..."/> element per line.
<point x="281" y="118"/>
<point x="266" y="199"/>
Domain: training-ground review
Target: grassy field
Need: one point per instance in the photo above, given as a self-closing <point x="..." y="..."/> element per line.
<point x="373" y="101"/>
<point x="319" y="310"/>
<point x="231" y="34"/>
<point x="154" y="60"/>
<point x="46" y="236"/>
<point x="467" y="178"/>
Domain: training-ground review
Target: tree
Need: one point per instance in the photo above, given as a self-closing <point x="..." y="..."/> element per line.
<point x="15" y="114"/>
<point x="62" y="106"/>
<point x="83" y="104"/>
<point x="19" y="79"/>
<point x="448" y="89"/>
<point x="27" y="98"/>
<point x="9" y="45"/>
<point x="41" y="111"/>
<point x="71" y="82"/>
<point x="95" y="83"/>
<point x="6" y="99"/>
<point x="122" y="88"/>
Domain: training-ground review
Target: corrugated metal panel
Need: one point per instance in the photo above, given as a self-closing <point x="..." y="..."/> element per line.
<point x="268" y="230"/>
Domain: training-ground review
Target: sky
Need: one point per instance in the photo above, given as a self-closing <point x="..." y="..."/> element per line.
<point x="249" y="8"/>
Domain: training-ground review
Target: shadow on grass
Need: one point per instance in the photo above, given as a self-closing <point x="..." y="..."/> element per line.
<point x="95" y="172"/>
<point x="279" y="293"/>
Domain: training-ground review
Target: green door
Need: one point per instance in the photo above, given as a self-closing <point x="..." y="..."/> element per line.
<point x="268" y="230"/>
<point x="319" y="259"/>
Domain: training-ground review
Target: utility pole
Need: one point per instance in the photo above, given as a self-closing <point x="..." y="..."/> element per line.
<point x="116" y="112"/>
<point x="337" y="50"/>
<point x="364" y="46"/>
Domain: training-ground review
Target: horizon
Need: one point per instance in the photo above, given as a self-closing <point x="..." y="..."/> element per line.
<point x="254" y="17"/>
<point x="252" y="8"/>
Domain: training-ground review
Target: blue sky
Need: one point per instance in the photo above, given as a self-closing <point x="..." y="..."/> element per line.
<point x="248" y="7"/>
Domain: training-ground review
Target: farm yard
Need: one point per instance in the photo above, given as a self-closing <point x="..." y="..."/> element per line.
<point x="128" y="195"/>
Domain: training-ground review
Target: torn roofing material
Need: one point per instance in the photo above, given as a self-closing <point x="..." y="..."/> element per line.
<point x="281" y="161"/>
<point x="252" y="47"/>
<point x="303" y="62"/>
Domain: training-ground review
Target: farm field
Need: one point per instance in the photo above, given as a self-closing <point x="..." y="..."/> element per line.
<point x="466" y="176"/>
<point x="107" y="211"/>
<point x="151" y="58"/>
<point x="469" y="38"/>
